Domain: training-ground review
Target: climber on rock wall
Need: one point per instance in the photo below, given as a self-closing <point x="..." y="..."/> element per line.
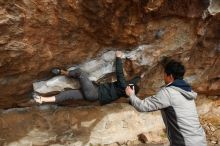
<point x="104" y="93"/>
<point x="177" y="105"/>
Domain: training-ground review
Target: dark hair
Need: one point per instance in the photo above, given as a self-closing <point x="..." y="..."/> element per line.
<point x="174" y="68"/>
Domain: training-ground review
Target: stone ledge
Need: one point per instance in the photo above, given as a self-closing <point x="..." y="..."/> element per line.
<point x="45" y="125"/>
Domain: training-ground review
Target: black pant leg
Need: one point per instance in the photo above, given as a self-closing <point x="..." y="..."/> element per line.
<point x="67" y="95"/>
<point x="88" y="89"/>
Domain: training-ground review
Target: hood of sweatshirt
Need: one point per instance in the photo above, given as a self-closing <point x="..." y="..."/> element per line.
<point x="184" y="88"/>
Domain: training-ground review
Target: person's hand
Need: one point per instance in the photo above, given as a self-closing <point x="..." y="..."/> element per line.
<point x="118" y="54"/>
<point x="129" y="91"/>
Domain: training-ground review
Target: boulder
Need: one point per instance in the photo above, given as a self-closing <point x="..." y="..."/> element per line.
<point x="39" y="35"/>
<point x="79" y="126"/>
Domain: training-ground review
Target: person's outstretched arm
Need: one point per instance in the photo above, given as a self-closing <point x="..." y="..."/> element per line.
<point x="152" y="103"/>
<point x="119" y="70"/>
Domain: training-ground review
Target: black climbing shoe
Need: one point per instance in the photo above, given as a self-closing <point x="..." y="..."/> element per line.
<point x="56" y="71"/>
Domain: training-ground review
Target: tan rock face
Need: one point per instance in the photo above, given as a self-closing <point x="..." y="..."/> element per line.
<point x="38" y="35"/>
<point x="82" y="126"/>
<point x="112" y="124"/>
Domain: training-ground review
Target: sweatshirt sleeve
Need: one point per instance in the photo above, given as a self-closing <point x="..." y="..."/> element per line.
<point x="156" y="102"/>
<point x="119" y="73"/>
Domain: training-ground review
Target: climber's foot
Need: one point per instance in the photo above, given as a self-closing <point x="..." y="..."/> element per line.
<point x="37" y="98"/>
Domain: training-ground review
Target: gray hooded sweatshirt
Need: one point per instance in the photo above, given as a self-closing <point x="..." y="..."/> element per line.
<point x="178" y="110"/>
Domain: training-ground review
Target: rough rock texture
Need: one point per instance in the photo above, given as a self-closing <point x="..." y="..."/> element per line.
<point x="38" y="35"/>
<point x="114" y="124"/>
<point x="51" y="125"/>
<point x="209" y="111"/>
